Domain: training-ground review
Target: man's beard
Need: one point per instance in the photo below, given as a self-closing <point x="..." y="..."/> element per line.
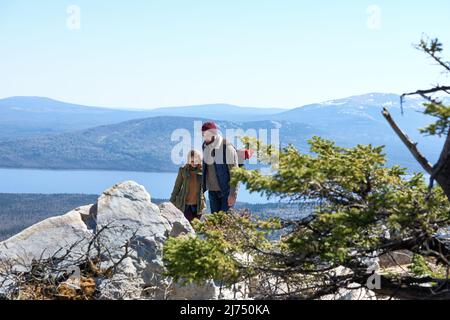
<point x="212" y="140"/>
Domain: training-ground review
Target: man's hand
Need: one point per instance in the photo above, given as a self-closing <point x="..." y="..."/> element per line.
<point x="232" y="200"/>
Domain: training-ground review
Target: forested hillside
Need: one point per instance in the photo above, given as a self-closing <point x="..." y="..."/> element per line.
<point x="18" y="211"/>
<point x="146" y="144"/>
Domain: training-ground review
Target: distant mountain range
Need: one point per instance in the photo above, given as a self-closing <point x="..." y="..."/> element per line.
<point x="137" y="145"/>
<point x="47" y="134"/>
<point x="31" y="116"/>
<point x="219" y="112"/>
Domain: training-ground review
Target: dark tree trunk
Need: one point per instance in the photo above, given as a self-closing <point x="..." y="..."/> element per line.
<point x="441" y="172"/>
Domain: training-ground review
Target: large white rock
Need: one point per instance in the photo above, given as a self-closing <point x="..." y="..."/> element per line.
<point x="176" y="219"/>
<point x="45" y="238"/>
<point x="124" y="214"/>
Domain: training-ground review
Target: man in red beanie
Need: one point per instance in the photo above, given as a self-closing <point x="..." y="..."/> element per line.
<point x="209" y="126"/>
<point x="219" y="158"/>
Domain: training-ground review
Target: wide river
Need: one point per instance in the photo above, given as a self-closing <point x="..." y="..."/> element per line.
<point x="159" y="185"/>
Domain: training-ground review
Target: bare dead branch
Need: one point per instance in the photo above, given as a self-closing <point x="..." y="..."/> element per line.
<point x="412" y="147"/>
<point x="424" y="93"/>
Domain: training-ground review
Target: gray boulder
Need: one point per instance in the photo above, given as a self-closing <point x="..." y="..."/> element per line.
<point x="132" y="231"/>
<point x="47" y="237"/>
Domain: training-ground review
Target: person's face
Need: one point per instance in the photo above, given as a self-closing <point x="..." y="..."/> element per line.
<point x="208" y="136"/>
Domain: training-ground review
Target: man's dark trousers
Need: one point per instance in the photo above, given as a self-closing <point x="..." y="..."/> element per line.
<point x="218" y="202"/>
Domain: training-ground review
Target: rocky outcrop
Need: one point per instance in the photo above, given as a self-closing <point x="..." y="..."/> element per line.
<point x="45" y="238"/>
<point x="354" y="291"/>
<point x="128" y="232"/>
<point x="125" y="232"/>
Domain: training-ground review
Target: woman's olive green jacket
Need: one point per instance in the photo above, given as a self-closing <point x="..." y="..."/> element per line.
<point x="181" y="189"/>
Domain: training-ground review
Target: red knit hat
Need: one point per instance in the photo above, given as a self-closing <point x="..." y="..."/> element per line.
<point x="208" y="126"/>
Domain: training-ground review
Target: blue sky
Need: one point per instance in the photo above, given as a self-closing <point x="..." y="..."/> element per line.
<point x="262" y="53"/>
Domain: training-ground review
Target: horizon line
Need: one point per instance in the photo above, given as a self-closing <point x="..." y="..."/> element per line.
<point x="193" y="105"/>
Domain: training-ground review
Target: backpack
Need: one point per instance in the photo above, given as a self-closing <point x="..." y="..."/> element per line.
<point x="243" y="154"/>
